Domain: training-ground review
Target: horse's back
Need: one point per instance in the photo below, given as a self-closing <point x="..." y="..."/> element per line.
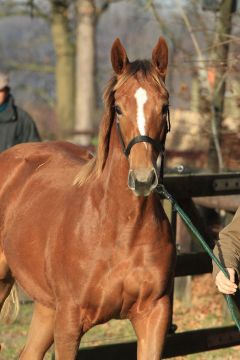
<point x="42" y="163"/>
<point x="36" y="153"/>
<point x="33" y="181"/>
<point x="21" y="161"/>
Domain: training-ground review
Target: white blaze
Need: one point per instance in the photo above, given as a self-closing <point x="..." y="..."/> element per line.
<point x="141" y="98"/>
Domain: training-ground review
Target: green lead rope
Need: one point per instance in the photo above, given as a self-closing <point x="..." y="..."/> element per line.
<point x="234" y="311"/>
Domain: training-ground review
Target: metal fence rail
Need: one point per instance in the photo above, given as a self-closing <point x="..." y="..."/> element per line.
<point x="189" y="342"/>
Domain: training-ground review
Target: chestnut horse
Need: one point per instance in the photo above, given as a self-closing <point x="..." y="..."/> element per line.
<point x="87" y="238"/>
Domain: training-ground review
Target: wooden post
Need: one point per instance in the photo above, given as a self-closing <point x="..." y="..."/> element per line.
<point x="172" y="219"/>
<point x="182" y="285"/>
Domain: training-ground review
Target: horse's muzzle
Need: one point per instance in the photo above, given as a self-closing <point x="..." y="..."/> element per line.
<point x="142" y="181"/>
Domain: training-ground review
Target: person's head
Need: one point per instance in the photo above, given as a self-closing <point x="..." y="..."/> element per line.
<point x="4" y="87"/>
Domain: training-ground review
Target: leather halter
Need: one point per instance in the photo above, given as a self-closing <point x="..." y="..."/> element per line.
<point x="158" y="145"/>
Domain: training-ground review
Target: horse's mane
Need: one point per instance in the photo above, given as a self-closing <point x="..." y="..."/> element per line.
<point x="141" y="70"/>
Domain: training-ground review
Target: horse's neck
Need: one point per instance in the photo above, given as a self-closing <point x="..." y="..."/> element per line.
<point x="124" y="215"/>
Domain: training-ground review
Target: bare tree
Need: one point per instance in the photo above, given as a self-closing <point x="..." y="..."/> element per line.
<point x="56" y="14"/>
<point x="211" y="54"/>
<point x="64" y="68"/>
<point x="88" y="13"/>
<point x="85" y="69"/>
<point x="221" y="69"/>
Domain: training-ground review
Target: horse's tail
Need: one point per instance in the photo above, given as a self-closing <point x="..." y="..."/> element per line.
<point x="11" y="306"/>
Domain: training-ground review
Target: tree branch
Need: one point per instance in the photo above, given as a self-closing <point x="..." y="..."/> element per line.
<point x="205" y="83"/>
<point x="32" y="67"/>
<point x="150" y="4"/>
<point x="15" y="8"/>
<point x="105" y="5"/>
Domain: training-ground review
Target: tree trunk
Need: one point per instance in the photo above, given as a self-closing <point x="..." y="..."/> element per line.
<point x="85" y="71"/>
<point x="64" y="66"/>
<point x="220" y="61"/>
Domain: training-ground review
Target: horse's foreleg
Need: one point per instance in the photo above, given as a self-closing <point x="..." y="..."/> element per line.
<point x="40" y="336"/>
<point x="67" y="332"/>
<point x="151" y="330"/>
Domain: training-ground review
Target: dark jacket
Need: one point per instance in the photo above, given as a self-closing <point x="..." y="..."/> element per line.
<point x="227" y="248"/>
<point x="16" y="126"/>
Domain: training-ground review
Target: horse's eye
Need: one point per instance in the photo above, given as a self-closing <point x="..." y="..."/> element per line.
<point x="118" y="110"/>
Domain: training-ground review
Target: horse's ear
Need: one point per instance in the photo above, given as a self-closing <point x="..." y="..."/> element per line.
<point x="160" y="57"/>
<point x="118" y="57"/>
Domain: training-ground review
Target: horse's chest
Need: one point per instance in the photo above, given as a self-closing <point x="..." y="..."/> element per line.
<point x="116" y="292"/>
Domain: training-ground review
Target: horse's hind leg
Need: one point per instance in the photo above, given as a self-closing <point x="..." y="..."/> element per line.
<point x="40" y="336"/>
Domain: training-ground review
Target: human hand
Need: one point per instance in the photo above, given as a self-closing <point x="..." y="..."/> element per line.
<point x="225" y="285"/>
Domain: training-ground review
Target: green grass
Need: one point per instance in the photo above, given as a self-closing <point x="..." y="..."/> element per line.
<point x="13" y="337"/>
<point x="114" y="331"/>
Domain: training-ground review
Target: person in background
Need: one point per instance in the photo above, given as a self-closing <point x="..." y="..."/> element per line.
<point x="16" y="126"/>
<point x="227" y="250"/>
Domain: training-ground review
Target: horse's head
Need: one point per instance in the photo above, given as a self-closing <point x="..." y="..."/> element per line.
<point x="141" y="113"/>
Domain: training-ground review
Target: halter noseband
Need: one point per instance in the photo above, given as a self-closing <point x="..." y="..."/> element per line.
<point x="158" y="145"/>
<point x="138" y="139"/>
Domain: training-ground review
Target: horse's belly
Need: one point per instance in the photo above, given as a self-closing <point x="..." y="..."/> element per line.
<point x="25" y="257"/>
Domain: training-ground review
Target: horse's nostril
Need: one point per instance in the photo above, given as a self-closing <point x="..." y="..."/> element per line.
<point x="152" y="177"/>
<point x="131" y="179"/>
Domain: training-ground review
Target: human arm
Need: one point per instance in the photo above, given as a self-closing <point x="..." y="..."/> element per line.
<point x="227" y="250"/>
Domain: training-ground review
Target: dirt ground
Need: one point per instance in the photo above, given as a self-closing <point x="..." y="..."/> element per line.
<point x="205" y="308"/>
